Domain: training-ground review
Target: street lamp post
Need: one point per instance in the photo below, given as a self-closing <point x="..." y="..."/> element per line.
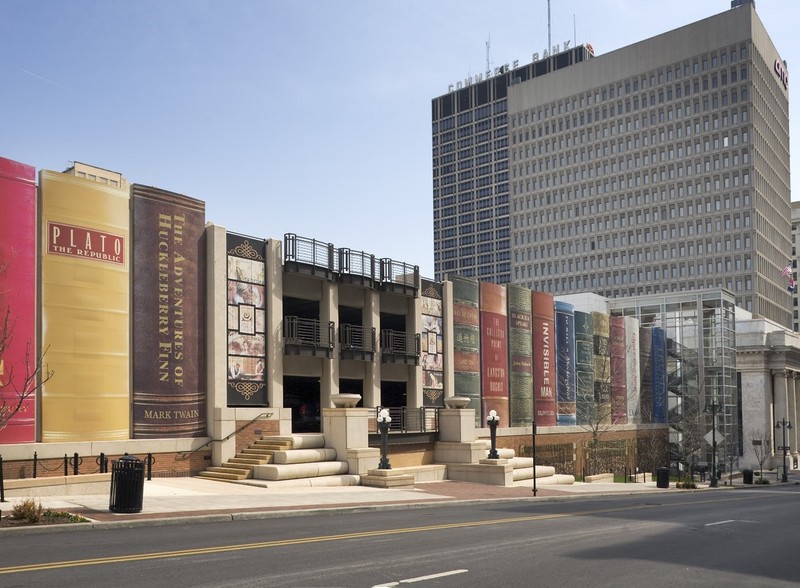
<point x="533" y="452"/>
<point x="712" y="408"/>
<point x="384" y="420"/>
<point x="493" y="420"/>
<point x="784" y="424"/>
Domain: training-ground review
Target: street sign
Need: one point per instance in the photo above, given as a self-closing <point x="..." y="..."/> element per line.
<point x="710" y="437"/>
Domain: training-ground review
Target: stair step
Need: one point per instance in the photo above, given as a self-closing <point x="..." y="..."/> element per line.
<point x="222" y="475"/>
<point x="248" y="460"/>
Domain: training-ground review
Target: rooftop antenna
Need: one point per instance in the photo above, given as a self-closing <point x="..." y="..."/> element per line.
<point x="488" y="63"/>
<point x="549" y="42"/>
<point x="574" y="32"/>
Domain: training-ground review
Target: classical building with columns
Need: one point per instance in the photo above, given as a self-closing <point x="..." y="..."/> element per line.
<point x="768" y="365"/>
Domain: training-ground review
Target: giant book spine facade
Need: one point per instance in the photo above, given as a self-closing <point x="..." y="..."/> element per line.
<point x="584" y="368"/>
<point x="632" y="370"/>
<point x="659" y="361"/>
<point x="85" y="308"/>
<point x="247" y="320"/>
<point x="646" y="371"/>
<point x="17" y="301"/>
<point x="565" y="362"/>
<point x="432" y="342"/>
<point x="494" y="350"/>
<point x="602" y="367"/>
<point x="619" y="371"/>
<point x="544" y="358"/>
<point x="168" y="265"/>
<point x="466" y="342"/>
<point x="519" y="353"/>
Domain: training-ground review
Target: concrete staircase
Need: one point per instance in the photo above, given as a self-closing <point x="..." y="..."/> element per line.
<point x="306" y="458"/>
<point x="241" y="466"/>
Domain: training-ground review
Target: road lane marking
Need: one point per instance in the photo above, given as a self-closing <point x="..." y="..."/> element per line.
<point x="347" y="536"/>
<point x="719" y="523"/>
<point x="421" y="578"/>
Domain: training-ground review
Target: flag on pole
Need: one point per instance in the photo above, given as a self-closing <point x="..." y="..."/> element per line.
<point x="791" y="285"/>
<point x="787" y="271"/>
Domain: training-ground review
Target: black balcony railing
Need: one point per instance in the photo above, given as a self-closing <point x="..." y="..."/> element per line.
<point x="399" y="347"/>
<point x="399" y="277"/>
<point x="357" y="342"/>
<point x="424" y="419"/>
<point x="304" y="336"/>
<point x="317" y="258"/>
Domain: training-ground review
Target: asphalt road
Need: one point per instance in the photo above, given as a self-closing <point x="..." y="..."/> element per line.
<point x="710" y="538"/>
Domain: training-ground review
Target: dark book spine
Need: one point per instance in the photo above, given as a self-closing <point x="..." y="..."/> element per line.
<point x="565" y="362"/>
<point x="584" y="368"/>
<point x="168" y="264"/>
<point x="519" y="353"/>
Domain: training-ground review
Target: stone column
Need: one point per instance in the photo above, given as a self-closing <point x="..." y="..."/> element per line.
<point x="780" y="383"/>
<point x="372" y="374"/>
<point x="346" y="432"/>
<point x="329" y="311"/>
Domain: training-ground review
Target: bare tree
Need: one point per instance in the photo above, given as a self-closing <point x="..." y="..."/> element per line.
<point x="760" y="443"/>
<point x="16" y="387"/>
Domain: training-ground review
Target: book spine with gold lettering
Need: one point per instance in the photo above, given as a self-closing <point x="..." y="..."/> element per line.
<point x="584" y="368"/>
<point x="466" y="342"/>
<point x="544" y="354"/>
<point x="85" y="308"/>
<point x="17" y="301"/>
<point x="520" y="377"/>
<point x="247" y="321"/>
<point x="494" y="350"/>
<point x="565" y="362"/>
<point x="168" y="265"/>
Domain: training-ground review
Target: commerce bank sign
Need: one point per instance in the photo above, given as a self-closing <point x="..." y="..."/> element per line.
<point x="782" y="73"/>
<point x="506" y="67"/>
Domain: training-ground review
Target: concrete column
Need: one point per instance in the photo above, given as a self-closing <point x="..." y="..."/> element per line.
<point x="414" y="387"/>
<point x="372" y="374"/>
<point x="448" y="359"/>
<point x="780" y="382"/>
<point x="329" y="311"/>
<point x="274" y="324"/>
<point x="791" y="434"/>
<point x="221" y="420"/>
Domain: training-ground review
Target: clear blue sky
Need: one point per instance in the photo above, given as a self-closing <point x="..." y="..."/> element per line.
<point x="310" y="117"/>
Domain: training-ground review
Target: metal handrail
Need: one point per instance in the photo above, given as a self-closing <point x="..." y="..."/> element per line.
<point x="424" y="419"/>
<point x="210" y="441"/>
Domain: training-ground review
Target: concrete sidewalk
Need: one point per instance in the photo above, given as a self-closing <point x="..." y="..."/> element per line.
<point x="172" y="500"/>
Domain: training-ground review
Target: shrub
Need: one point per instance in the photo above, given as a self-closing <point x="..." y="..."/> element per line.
<point x="688" y="485"/>
<point x="27" y="511"/>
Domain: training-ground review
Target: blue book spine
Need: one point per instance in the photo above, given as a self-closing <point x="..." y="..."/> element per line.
<point x="565" y="363"/>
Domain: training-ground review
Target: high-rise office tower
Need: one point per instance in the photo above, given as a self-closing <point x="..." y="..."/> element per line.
<point x="659" y="167"/>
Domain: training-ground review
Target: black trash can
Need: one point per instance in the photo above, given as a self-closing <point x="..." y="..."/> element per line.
<point x="747" y="476"/>
<point x="127" y="484"/>
<point x="662" y="478"/>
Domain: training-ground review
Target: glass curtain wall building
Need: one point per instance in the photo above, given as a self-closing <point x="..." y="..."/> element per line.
<point x="659" y="167"/>
<point x="702" y="389"/>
